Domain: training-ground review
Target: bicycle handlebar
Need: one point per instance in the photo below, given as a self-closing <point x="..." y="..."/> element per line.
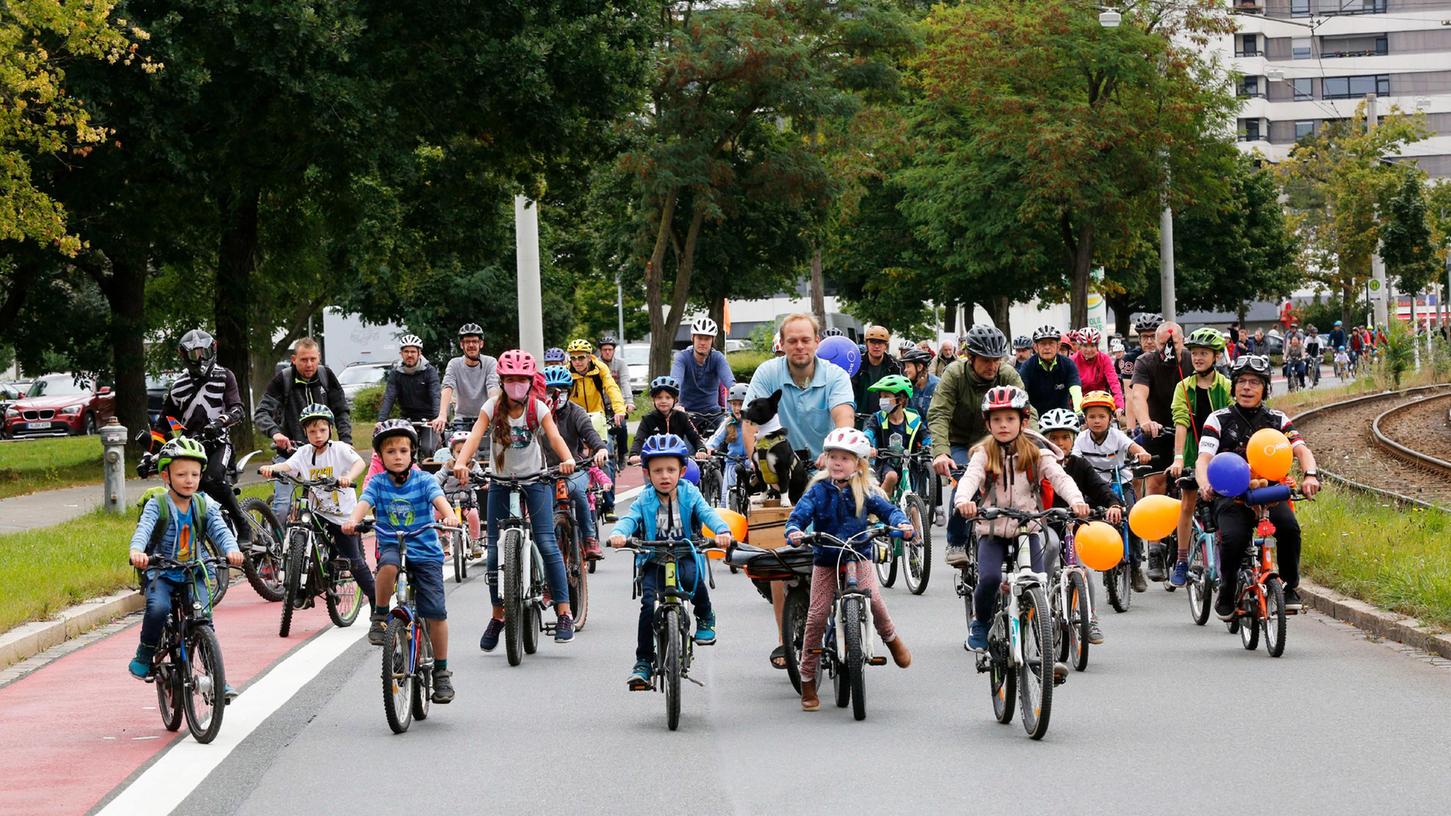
<point x="872" y="531"/>
<point x="162" y="562"/>
<point x="1051" y="514"/>
<point x="283" y="476"/>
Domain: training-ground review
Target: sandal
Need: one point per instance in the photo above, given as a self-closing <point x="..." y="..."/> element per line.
<point x="778" y="657"/>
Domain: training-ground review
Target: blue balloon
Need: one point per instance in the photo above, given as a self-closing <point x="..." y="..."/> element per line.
<point x="692" y="472"/>
<point x="1228" y="474"/>
<point x="843" y="352"/>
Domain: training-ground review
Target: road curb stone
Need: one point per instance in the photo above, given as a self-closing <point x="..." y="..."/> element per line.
<point x="1375" y="621"/>
<point x="30" y="639"/>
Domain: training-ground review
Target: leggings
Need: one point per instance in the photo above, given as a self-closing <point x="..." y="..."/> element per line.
<point x="1236" y="527"/>
<point x="990" y="553"/>
<point x="823" y="593"/>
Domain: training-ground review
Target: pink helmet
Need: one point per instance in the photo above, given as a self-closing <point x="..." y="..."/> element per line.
<point x="1089" y="336"/>
<point x="1005" y="398"/>
<point x="517" y="363"/>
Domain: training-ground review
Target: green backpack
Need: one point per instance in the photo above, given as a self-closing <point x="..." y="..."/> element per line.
<point x="163" y="523"/>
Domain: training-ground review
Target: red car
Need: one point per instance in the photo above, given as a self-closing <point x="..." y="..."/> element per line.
<point x="60" y="404"/>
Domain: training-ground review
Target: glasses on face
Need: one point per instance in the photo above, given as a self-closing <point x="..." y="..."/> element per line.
<point x="875" y="342"/>
<point x="578" y="358"/>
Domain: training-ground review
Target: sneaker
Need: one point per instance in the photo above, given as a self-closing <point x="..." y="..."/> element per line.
<point x="1060" y="673"/>
<point x="640" y="676"/>
<point x="956" y="555"/>
<point x="592" y="549"/>
<point x="490" y="640"/>
<point x="1095" y="634"/>
<point x="442" y="686"/>
<point x="1292" y="600"/>
<point x="1224" y="606"/>
<point x="977" y="636"/>
<point x="611" y="518"/>
<point x="476" y="552"/>
<point x="1137" y="575"/>
<point x="140" y="665"/>
<point x="1180" y="576"/>
<point x="377" y="629"/>
<point x="705" y="630"/>
<point x="564" y="629"/>
<point x="228" y="693"/>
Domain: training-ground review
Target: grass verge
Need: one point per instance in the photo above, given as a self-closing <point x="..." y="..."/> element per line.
<point x="45" y="570"/>
<point x="1368" y="383"/>
<point x="27" y="466"/>
<point x="1394" y="557"/>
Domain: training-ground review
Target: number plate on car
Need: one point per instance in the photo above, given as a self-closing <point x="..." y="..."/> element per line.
<point x="38" y="426"/>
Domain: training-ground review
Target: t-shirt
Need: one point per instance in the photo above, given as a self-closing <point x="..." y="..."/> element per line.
<point x="1125" y="367"/>
<point x="1162" y="377"/>
<point x="1108" y="456"/>
<point x="406" y="508"/>
<point x="471" y="384"/>
<point x="522" y="455"/>
<point x="805" y="413"/>
<point x="335" y="460"/>
<point x="701" y="383"/>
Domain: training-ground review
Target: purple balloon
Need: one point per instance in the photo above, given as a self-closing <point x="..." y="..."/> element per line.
<point x="843" y="352"/>
<point x="692" y="472"/>
<point x="1228" y="474"/>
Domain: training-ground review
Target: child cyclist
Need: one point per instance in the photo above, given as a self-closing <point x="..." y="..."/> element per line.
<point x="189" y="520"/>
<point x="895" y="428"/>
<point x="1195" y="398"/>
<point x="837" y="503"/>
<point x="519" y="418"/>
<point x="729" y="439"/>
<point x="1008" y="466"/>
<point x="449" y="483"/>
<point x="670" y="509"/>
<point x="667" y="418"/>
<point x="1107" y="449"/>
<point x="406" y="500"/>
<point x="319" y="459"/>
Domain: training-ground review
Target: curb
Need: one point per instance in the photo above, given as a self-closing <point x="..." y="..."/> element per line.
<point x="1375" y="621"/>
<point x="31" y="639"/>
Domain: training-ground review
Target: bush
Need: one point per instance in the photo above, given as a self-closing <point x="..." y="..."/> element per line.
<point x="1397" y="354"/>
<point x="365" y="406"/>
<point x="744" y="363"/>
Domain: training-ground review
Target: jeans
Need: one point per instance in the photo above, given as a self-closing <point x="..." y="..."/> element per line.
<point x="579" y="494"/>
<point x="652" y="584"/>
<point x="351" y="548"/>
<point x="956" y="524"/>
<point x="990" y="553"/>
<point x="281" y="493"/>
<point x="539" y="503"/>
<point x="1236" y="526"/>
<point x="160" y="587"/>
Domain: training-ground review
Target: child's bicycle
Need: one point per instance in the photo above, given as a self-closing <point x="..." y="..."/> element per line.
<point x="674" y="646"/>
<point x="914" y="554"/>
<point x="310" y="571"/>
<point x="1020" y="653"/>
<point x="187" y="664"/>
<point x="1202" y="580"/>
<point x="463" y="547"/>
<point x="1118" y="580"/>
<point x="1071" y="601"/>
<point x="571" y="548"/>
<point x="846" y="646"/>
<point x="521" y="570"/>
<point x="407" y="649"/>
<point x="1261" y="601"/>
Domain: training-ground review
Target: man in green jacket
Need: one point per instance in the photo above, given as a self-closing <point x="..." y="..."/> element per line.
<point x="1195" y="398"/>
<point x="955" y="416"/>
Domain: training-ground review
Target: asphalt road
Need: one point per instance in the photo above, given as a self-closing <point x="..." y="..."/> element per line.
<point x="1169" y="717"/>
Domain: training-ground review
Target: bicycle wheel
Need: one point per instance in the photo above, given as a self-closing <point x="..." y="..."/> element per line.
<point x="263" y="566"/>
<point x="1002" y="677"/>
<point x="219" y="579"/>
<point x="1078" y="621"/>
<point x="793" y="631"/>
<point x="1197" y="587"/>
<point x="1274" y="617"/>
<point x="204" y="698"/>
<point x="397" y="682"/>
<point x="710" y="485"/>
<point x="534" y="594"/>
<point x="512" y="543"/>
<point x="1117" y="582"/>
<point x="344" y="599"/>
<point x="1249" y="623"/>
<point x="1035" y="675"/>
<point x="298" y="546"/>
<point x="460" y="558"/>
<point x="422" y="673"/>
<point x="670" y="664"/>
<point x="856" y="664"/>
<point x="576" y="575"/>
<point x="917" y="552"/>
<point x="887" y="571"/>
<point x="169" y="691"/>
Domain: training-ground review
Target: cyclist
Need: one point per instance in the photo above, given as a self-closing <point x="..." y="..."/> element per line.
<point x="1336" y="336"/>
<point x="583" y="442"/>
<point x="174" y="525"/>
<point x="1107" y="448"/>
<point x="876" y="364"/>
<point x="1229" y="429"/>
<point x="730" y="437"/>
<point x="1156" y="377"/>
<point x="1295" y="359"/>
<point x="838" y="502"/>
<point x="555" y="356"/>
<point x="667" y="418"/>
<point x="1314" y="353"/>
<point x="205" y="397"/>
<point x="468" y="380"/>
<point x="1198" y="395"/>
<point x="1022" y="349"/>
<point x="704" y="376"/>
<point x="1096" y="371"/>
<point x="916" y="367"/>
<point x="1342" y="362"/>
<point x="619" y="434"/>
<point x="450" y="483"/>
<point x="955" y="419"/>
<point x="895" y="428"/>
<point x="1050" y="377"/>
<point x="596" y="391"/>
<point x="946" y="356"/>
<point x="306" y="382"/>
<point x="1145" y="327"/>
<point x="1068" y="343"/>
<point x="413" y="384"/>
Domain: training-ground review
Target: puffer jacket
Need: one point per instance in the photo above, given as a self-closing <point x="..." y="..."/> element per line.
<point x="955" y="415"/>
<point x="596" y="390"/>
<point x="826" y="508"/>
<point x="1015" y="490"/>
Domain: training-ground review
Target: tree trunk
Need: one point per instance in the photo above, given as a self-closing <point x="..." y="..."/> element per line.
<point x="124" y="286"/>
<point x="1345" y="304"/>
<point x="1082" y="264"/>
<point x="717" y="313"/>
<point x="1123" y="309"/>
<point x="998" y="308"/>
<point x="818" y="289"/>
<point x="1241" y="314"/>
<point x="949" y="319"/>
<point x="236" y="264"/>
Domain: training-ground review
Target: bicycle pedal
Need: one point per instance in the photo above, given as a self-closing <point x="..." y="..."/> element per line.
<point x="877" y="660"/>
<point x="693" y="680"/>
<point x="817" y="651"/>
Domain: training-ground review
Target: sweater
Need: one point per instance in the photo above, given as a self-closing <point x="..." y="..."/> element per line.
<point x="578" y="432"/>
<point x="826" y="508"/>
<point x="1051" y="385"/>
<point x="416" y="391"/>
<point x="678" y="423"/>
<point x="1015" y="490"/>
<point x="955" y="416"/>
<point x="1099" y="374"/>
<point x="702" y="385"/>
<point x="471" y="384"/>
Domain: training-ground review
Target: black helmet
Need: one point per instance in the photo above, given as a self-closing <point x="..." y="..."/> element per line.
<point x="1251" y="364"/>
<point x="1148" y="323"/>
<point x="918" y="356"/>
<point x="607" y="340"/>
<point x="985" y="341"/>
<point x="198" y="352"/>
<point x="471" y="330"/>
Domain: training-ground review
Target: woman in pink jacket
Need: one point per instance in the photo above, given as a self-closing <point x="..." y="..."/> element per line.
<point x="1095" y="369"/>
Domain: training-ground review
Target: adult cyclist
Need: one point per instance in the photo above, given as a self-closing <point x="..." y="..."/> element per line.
<point x="876" y="364"/>
<point x="704" y="376"/>
<point x="619" y="434"/>
<point x="469" y="381"/>
<point x="1050" y="377"/>
<point x="413" y="385"/>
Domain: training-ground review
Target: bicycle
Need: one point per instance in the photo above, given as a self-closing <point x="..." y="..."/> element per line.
<point x="737" y="496"/>
<point x="674" y="646"/>
<point x="706" y="422"/>
<point x="1202" y="580"/>
<point x="1118" y="580"/>
<point x="596" y="493"/>
<point x="464" y="547"/>
<point x="407" y="649"/>
<point x="1020" y="651"/>
<point x="791" y="566"/>
<point x="1071" y="602"/>
<point x="187" y="664"/>
<point x="521" y="571"/>
<point x="1260" y="604"/>
<point x="915" y="554"/>
<point x="310" y="572"/>
<point x="571" y="548"/>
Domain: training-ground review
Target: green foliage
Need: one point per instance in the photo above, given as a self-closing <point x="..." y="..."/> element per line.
<point x="1406" y="243"/>
<point x="365" y="406"/>
<point x="1322" y="311"/>
<point x="744" y="363"/>
<point x="1396" y="354"/>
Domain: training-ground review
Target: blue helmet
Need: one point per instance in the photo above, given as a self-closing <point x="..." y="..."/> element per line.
<point x="557" y="377"/>
<point x="665" y="382"/>
<point x="554" y="355"/>
<point x="664" y="445"/>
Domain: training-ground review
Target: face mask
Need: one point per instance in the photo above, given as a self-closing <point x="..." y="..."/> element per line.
<point x="517" y="391"/>
<point x="560" y="399"/>
<point x="888" y="404"/>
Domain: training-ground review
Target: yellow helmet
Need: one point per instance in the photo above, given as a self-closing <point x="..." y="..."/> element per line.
<point x="1098" y="399"/>
<point x="580" y="346"/>
<point x="878" y="333"/>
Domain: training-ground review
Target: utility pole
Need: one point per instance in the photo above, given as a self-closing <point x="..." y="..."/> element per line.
<point x="1166" y="262"/>
<point x="620" y="308"/>
<point x="531" y="308"/>
<point x="1379" y="293"/>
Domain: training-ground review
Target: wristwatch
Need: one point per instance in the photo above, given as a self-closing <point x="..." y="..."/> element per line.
<point x="1310" y="474"/>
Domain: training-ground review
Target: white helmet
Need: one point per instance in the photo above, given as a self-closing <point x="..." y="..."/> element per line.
<point x="848" y="439"/>
<point x="704" y="325"/>
<point x="410" y="340"/>
<point x="1058" y="419"/>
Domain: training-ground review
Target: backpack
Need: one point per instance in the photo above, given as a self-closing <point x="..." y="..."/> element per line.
<point x="163" y="521"/>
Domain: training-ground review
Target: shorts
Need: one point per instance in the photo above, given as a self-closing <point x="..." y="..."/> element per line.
<point x="1161" y="448"/>
<point x="427" y="580"/>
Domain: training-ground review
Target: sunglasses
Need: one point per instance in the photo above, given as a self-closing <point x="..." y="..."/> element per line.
<point x="1255" y="362"/>
<point x="874" y="342"/>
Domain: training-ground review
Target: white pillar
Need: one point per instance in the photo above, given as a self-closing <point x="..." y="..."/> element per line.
<point x="1380" y="293"/>
<point x="531" y="309"/>
<point x="1166" y="264"/>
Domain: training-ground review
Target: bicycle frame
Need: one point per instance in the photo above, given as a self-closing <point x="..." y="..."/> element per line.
<point x="1069" y="566"/>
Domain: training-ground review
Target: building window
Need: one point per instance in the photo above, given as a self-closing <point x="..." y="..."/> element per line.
<point x="1304" y="128"/>
<point x="1355" y="86"/>
<point x="1382" y="46"/>
<point x="1250" y="87"/>
<point x="1248" y="46"/>
<point x="1250" y="130"/>
<point x="1300" y="48"/>
<point x="1299" y="8"/>
<point x="1303" y="89"/>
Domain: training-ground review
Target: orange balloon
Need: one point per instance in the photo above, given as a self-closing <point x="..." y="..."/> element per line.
<point x="1099" y="545"/>
<point x="1269" y="454"/>
<point x="735" y="521"/>
<point x="1154" y="517"/>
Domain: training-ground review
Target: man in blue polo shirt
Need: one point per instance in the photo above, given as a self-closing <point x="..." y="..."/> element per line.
<point x="1050" y="377"/>
<point x="815" y="396"/>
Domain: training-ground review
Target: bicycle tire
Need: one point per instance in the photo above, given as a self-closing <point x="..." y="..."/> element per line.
<point x="264" y="568"/>
<point x="856" y="663"/>
<point x="1275" y="624"/>
<point x="793" y="631"/>
<point x="422" y="673"/>
<point x="203" y="652"/>
<point x="218" y="580"/>
<point x="344" y="599"/>
<point x="169" y="691"/>
<point x="397" y="682"/>
<point x="532" y="608"/>
<point x="1002" y="678"/>
<point x="297" y="548"/>
<point x="575" y="572"/>
<point x="460" y="558"/>
<point x="670" y="665"/>
<point x="917" y="553"/>
<point x="1249" y="624"/>
<point x="887" y="570"/>
<point x="1037" y="667"/>
<point x="841" y="688"/>
<point x="513" y="544"/>
<point x="1080" y="620"/>
<point x="1197" y="587"/>
<point x="1117" y="586"/>
<point x="710" y="485"/>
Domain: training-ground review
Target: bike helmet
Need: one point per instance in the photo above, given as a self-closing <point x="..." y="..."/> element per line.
<point x="665" y="382"/>
<point x="985" y="341"/>
<point x="393" y="427"/>
<point x="1148" y="323"/>
<point x="738" y="393"/>
<point x="918" y="356"/>
<point x="1003" y="398"/>
<point x="1338" y="324"/>
<point x="554" y="356"/>
<point x="1251" y="364"/>
<point x="198" y="351"/>
<point x="893" y="384"/>
<point x="470" y="330"/>
<point x="664" y="445"/>
<point x="315" y="411"/>
<point x="580" y="346"/>
<point x="1096" y="399"/>
<point x="1206" y="338"/>
<point x="877" y="333"/>
<point x="1021" y="342"/>
<point x="848" y="439"/>
<point x="1115" y="345"/>
<point x="1089" y="336"/>
<point x="410" y="340"/>
<point x="607" y="340"/>
<point x="557" y="377"/>
<point x="1058" y="419"/>
<point x="1047" y="333"/>
<point x="517" y="363"/>
<point x="833" y="332"/>
<point x="181" y="448"/>
<point x="705" y="326"/>
<point x="457" y="437"/>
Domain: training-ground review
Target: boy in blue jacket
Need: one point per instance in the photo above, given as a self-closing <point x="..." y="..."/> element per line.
<point x="671" y="509"/>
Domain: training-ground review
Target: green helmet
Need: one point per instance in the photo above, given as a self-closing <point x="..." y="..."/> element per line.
<point x="893" y="384"/>
<point x="181" y="448"/>
<point x="1207" y="338"/>
<point x="315" y="411"/>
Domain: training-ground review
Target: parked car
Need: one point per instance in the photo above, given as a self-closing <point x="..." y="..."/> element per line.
<point x="60" y="404"/>
<point x="737" y="345"/>
<point x="156" y="388"/>
<point x="637" y="361"/>
<point x="358" y="376"/>
<point x="10" y="392"/>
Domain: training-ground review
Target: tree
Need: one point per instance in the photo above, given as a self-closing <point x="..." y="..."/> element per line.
<point x="1406" y="243"/>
